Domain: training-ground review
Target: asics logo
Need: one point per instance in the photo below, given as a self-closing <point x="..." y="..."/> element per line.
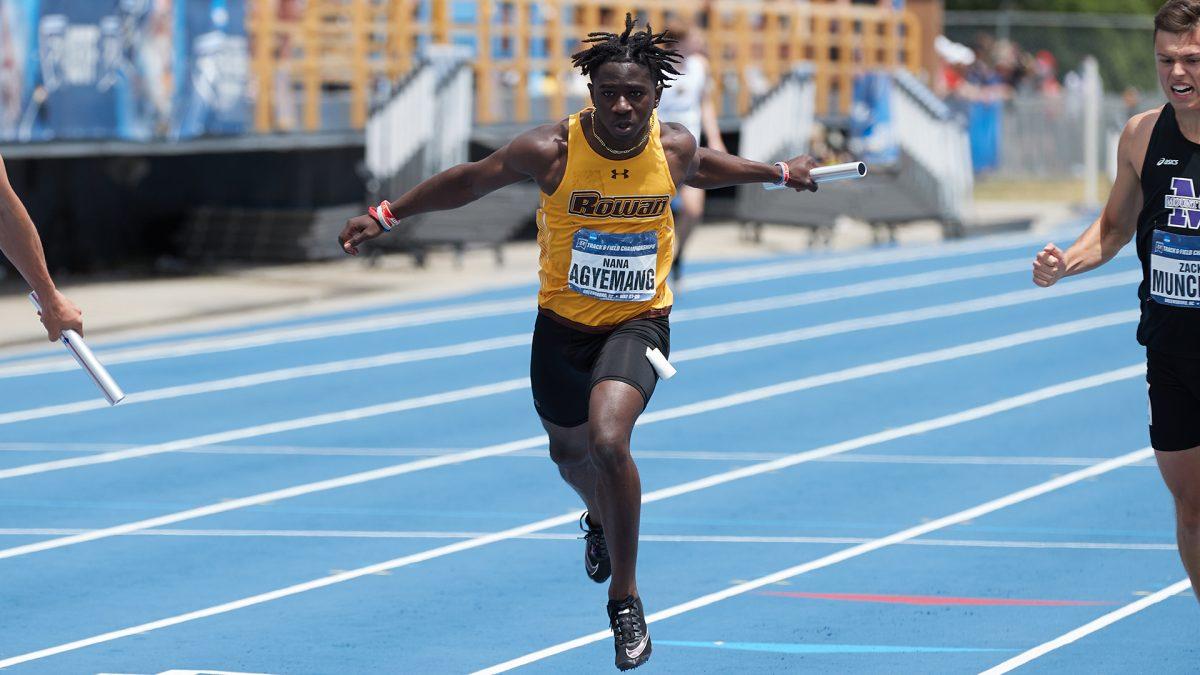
<point x="637" y="651"/>
<point x="1168" y="162"/>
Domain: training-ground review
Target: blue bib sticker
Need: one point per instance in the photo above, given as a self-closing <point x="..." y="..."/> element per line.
<point x="1175" y="269"/>
<point x="614" y="267"/>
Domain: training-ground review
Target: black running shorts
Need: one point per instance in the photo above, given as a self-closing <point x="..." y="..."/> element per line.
<point x="1174" y="386"/>
<point x="566" y="363"/>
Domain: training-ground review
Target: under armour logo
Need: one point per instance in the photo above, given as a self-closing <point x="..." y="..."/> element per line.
<point x="624" y="173"/>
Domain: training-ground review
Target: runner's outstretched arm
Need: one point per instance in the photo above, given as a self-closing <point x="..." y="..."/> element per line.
<point x="712" y="169"/>
<point x="1116" y="225"/>
<point x="460" y="185"/>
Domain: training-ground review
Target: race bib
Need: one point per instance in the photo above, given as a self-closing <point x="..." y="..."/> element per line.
<point x="1175" y="269"/>
<point x="614" y="267"/>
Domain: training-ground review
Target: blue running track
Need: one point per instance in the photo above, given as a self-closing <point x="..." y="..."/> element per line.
<point x="896" y="460"/>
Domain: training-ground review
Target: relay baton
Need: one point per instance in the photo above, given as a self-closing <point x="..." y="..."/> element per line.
<point x="660" y="363"/>
<point x="87" y="360"/>
<point x="829" y="174"/>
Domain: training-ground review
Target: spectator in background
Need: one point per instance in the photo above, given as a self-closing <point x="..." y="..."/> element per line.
<point x="287" y="13"/>
<point x="20" y="244"/>
<point x="1008" y="66"/>
<point x="688" y="100"/>
<point x="153" y="56"/>
<point x="972" y="87"/>
<point x="12" y="71"/>
<point x="979" y="83"/>
<point x="986" y="93"/>
<point x="1046" y="70"/>
<point x="954" y="59"/>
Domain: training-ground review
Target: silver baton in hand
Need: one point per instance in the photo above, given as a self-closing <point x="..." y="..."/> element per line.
<point x="829" y="174"/>
<point x="87" y="360"/>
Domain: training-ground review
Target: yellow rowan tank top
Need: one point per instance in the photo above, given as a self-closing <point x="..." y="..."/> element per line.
<point x="606" y="235"/>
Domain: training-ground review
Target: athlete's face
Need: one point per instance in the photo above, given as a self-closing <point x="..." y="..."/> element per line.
<point x="624" y="96"/>
<point x="1178" y="57"/>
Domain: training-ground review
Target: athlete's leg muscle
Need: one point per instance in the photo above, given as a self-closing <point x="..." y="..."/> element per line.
<point x="613" y="409"/>
<point x="1181" y="471"/>
<point x="569" y="450"/>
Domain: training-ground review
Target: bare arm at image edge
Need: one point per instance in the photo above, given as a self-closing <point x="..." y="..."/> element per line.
<point x="20" y="244"/>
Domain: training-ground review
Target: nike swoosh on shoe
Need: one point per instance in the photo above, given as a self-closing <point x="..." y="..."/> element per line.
<point x="634" y="653"/>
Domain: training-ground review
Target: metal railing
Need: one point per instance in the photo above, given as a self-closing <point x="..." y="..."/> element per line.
<point x="424" y="128"/>
<point x="398" y="135"/>
<point x="781" y="123"/>
<point x="521" y="48"/>
<point x="920" y="118"/>
<point x="754" y="43"/>
<point x="927" y="177"/>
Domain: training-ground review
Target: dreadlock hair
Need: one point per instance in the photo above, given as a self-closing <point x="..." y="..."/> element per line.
<point x="641" y="47"/>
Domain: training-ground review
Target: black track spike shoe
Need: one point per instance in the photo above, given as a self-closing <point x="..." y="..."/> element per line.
<point x="628" y="623"/>
<point x="595" y="551"/>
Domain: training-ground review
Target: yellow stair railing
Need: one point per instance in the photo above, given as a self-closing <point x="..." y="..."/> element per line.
<point x="351" y="46"/>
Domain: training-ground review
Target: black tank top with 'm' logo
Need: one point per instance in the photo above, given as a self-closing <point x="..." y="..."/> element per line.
<point x="1168" y="241"/>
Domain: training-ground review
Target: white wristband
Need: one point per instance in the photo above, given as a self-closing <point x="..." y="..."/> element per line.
<point x="383" y="215"/>
<point x="785" y="174"/>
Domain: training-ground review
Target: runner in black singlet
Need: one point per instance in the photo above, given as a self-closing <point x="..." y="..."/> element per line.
<point x="1155" y="198"/>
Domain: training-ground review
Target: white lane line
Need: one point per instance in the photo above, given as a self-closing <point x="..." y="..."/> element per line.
<point x="718" y="349"/>
<point x="315" y="331"/>
<point x="841" y="556"/>
<point x="271" y="428"/>
<point x="275" y="336"/>
<point x="61" y="447"/>
<point x="861" y="289"/>
<point x="180" y="671"/>
<point x="941" y="460"/>
<point x="702" y="352"/>
<point x="710" y="405"/>
<point x="985" y="460"/>
<point x="540" y="455"/>
<point x="1065" y="545"/>
<point x="896" y="364"/>
<point x="275" y="495"/>
<point x="913" y="429"/>
<point x="855" y="290"/>
<point x="1089" y="628"/>
<point x="478" y="346"/>
<point x="905" y="316"/>
<point x="316" y="451"/>
<point x="766" y="272"/>
<point x="551" y="536"/>
<point x="280" y="375"/>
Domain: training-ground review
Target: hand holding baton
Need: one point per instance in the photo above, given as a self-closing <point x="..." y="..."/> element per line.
<point x="829" y="174"/>
<point x="87" y="360"/>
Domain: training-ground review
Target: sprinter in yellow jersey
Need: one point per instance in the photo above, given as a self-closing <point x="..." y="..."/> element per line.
<point x="607" y="175"/>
